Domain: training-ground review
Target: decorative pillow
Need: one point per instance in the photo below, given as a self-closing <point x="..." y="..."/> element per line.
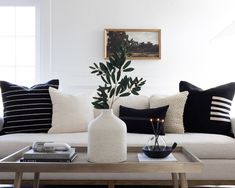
<point x="138" y="120"/>
<point x="208" y="111"/>
<point x="27" y="109"/>
<point x="71" y="113"/>
<point x="174" y="116"/>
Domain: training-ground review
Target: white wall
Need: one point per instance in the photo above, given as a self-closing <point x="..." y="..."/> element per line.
<point x="194" y="46"/>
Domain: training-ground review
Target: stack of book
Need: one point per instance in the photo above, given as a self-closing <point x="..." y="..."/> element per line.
<point x="55" y="156"/>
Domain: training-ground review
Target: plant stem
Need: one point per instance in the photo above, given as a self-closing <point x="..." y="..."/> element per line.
<point x="113" y="98"/>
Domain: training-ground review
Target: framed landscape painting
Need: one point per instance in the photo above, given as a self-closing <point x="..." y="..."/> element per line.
<point x="140" y="43"/>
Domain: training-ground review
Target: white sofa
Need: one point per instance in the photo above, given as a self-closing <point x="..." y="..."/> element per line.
<point x="216" y="151"/>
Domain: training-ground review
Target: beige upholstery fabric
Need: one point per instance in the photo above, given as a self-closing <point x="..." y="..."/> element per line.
<point x="136" y="101"/>
<point x="174" y="116"/>
<point x="233" y="124"/>
<point x="71" y="113"/>
<point x="1" y="123"/>
<point x="202" y="145"/>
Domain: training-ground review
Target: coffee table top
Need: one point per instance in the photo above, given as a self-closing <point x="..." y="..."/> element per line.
<point x="186" y="162"/>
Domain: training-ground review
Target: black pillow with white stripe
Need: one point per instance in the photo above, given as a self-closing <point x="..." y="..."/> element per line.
<point x="27" y="110"/>
<point x="207" y="111"/>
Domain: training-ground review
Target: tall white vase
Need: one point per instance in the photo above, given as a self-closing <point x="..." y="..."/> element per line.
<point x="107" y="139"/>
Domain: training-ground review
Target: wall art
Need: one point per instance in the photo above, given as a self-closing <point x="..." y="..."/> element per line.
<point x="140" y="43"/>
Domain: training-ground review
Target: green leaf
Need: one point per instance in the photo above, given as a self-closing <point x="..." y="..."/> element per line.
<point x="108" y="79"/>
<point x="126" y="64"/>
<point x="99" y="73"/>
<point x="93" y="72"/>
<point x="109" y="65"/>
<point x="104" y="79"/>
<point x="92" y="67"/>
<point x="128" y="70"/>
<point x="118" y="75"/>
<point x="142" y="83"/>
<point x="118" y="89"/>
<point x="104" y="68"/>
<point x="125" y="94"/>
<point x="134" y="92"/>
<point x="96" y="65"/>
<point x="109" y="88"/>
<point x="111" y="92"/>
<point x="122" y="60"/>
<point x="113" y="77"/>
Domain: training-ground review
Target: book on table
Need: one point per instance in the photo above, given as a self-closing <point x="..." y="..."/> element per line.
<point x="55" y="156"/>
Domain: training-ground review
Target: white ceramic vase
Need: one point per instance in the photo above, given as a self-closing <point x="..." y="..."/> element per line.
<point x="107" y="139"/>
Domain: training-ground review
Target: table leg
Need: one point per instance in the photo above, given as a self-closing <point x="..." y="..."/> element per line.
<point x="36" y="180"/>
<point x="18" y="178"/>
<point x="183" y="180"/>
<point x="175" y="180"/>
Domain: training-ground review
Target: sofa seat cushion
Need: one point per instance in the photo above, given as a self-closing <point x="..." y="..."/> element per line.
<point x="204" y="146"/>
<point x="12" y="142"/>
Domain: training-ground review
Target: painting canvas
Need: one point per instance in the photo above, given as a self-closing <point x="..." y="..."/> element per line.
<point x="140" y="43"/>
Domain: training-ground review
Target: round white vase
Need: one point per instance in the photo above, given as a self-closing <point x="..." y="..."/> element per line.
<point x="107" y="139"/>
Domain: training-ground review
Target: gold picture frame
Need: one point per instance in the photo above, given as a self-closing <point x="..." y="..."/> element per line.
<point x="141" y="43"/>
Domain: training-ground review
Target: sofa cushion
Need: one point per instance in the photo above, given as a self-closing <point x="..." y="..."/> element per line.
<point x="202" y="145"/>
<point x="207" y="111"/>
<point x="71" y="113"/>
<point x="174" y="116"/>
<point x="138" y="120"/>
<point x="27" y="109"/>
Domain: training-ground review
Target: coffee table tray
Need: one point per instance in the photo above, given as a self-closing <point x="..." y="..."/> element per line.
<point x="186" y="163"/>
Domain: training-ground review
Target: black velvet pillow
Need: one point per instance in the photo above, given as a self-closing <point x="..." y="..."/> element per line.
<point x="207" y="111"/>
<point x="27" y="109"/>
<point x="138" y="120"/>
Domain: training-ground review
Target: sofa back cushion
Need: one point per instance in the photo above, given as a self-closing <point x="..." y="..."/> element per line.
<point x="27" y="109"/>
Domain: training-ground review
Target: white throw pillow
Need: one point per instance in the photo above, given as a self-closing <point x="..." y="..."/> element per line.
<point x="70" y="113"/>
<point x="174" y="116"/>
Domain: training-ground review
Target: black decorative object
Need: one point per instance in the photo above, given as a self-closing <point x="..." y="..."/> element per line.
<point x="153" y="149"/>
<point x="159" y="151"/>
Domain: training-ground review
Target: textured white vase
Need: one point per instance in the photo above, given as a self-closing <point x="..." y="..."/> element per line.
<point x="107" y="139"/>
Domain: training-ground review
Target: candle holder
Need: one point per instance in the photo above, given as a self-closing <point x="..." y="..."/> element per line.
<point x="156" y="146"/>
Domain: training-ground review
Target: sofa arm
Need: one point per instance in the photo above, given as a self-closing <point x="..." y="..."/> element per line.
<point x="1" y="122"/>
<point x="233" y="124"/>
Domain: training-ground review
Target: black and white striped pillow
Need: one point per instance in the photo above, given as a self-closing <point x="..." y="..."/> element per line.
<point x="27" y="110"/>
<point x="208" y="111"/>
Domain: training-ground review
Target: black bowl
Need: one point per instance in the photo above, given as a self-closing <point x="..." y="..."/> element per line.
<point x="158" y="152"/>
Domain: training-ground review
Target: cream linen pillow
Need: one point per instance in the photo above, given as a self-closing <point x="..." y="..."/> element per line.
<point x="70" y="113"/>
<point x="174" y="116"/>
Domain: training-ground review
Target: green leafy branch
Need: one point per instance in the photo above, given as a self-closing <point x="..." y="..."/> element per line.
<point x="116" y="83"/>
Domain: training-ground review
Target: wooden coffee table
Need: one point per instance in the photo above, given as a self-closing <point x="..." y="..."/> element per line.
<point x="186" y="163"/>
